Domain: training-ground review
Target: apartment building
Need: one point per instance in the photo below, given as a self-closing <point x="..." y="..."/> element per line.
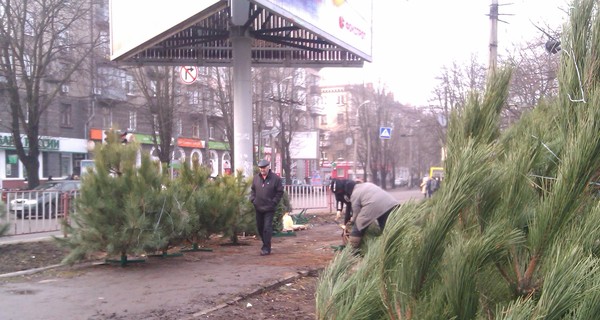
<point x="100" y="95"/>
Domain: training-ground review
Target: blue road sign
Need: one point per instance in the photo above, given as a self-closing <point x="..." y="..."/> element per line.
<point x="385" y="132"/>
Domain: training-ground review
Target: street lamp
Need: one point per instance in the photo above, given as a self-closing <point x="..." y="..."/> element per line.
<point x="356" y="144"/>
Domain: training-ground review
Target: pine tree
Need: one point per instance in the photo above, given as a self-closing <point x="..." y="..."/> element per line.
<point x="118" y="205"/>
<point x="513" y="233"/>
<point x="237" y="213"/>
<point x="189" y="194"/>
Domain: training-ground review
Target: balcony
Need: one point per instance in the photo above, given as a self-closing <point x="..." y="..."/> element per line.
<point x="111" y="94"/>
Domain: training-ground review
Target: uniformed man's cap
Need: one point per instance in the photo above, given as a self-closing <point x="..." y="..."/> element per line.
<point x="263" y="163"/>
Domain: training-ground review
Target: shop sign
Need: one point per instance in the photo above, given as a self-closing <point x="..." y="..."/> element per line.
<point x="98" y="134"/>
<point x="190" y="143"/>
<point x="145" y="138"/>
<point x="218" y="145"/>
<point x="44" y="143"/>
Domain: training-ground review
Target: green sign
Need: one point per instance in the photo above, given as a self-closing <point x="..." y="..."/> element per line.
<point x="144" y="138"/>
<point x="48" y="144"/>
<point x="218" y="145"/>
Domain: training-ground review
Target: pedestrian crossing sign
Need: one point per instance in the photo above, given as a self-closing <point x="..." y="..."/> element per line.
<point x="385" y="132"/>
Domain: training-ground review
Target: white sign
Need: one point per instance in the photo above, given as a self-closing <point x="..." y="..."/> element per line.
<point x="385" y="132"/>
<point x="188" y="74"/>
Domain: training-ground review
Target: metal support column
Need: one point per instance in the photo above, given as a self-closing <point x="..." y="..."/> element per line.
<point x="242" y="89"/>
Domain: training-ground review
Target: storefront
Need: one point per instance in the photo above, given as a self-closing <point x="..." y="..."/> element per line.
<point x="188" y="149"/>
<point x="219" y="159"/>
<point x="59" y="157"/>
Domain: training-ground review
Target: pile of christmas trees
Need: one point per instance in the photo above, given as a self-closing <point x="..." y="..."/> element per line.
<point x="514" y="233"/>
<point x="129" y="205"/>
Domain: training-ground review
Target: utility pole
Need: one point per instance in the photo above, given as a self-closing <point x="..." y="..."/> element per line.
<point x="493" y="35"/>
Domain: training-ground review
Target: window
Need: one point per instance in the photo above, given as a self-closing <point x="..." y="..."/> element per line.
<point x="64" y="40"/>
<point x="106" y="117"/>
<point x="153" y="87"/>
<point x="211" y="132"/>
<point x="340" y="118"/>
<point x="179" y="127"/>
<point x="129" y="85"/>
<point x="225" y="137"/>
<point x="65" y="115"/>
<point x="194" y="98"/>
<point x="65" y="164"/>
<point x="324" y="120"/>
<point x="12" y="164"/>
<point x="132" y="120"/>
<point x="195" y="130"/>
<point x="28" y="24"/>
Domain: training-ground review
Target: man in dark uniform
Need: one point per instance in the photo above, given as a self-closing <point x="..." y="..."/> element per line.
<point x="265" y="194"/>
<point x="337" y="188"/>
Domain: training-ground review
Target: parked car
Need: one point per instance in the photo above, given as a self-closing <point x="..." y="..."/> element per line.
<point x="401" y="182"/>
<point x="44" y="200"/>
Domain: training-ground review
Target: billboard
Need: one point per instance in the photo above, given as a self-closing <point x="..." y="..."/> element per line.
<point x="304" y="145"/>
<point x="135" y="22"/>
<point x="345" y="23"/>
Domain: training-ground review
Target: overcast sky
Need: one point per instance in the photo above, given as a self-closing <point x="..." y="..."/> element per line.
<point x="414" y="39"/>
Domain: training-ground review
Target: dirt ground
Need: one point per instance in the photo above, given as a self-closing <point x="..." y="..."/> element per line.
<point x="231" y="282"/>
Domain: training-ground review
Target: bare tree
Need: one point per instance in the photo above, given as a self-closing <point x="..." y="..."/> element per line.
<point x="534" y="77"/>
<point x="262" y="115"/>
<point x="158" y="86"/>
<point x="288" y="97"/>
<point x="40" y="40"/>
<point x="456" y="83"/>
<point x="221" y="89"/>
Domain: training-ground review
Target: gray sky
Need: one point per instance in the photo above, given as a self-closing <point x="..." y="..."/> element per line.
<point x="414" y="39"/>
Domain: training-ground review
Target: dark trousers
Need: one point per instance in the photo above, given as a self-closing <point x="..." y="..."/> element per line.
<point x="264" y="224"/>
<point x="381" y="220"/>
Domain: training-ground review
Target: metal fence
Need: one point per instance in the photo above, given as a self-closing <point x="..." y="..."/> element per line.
<point x="310" y="197"/>
<point x="29" y="212"/>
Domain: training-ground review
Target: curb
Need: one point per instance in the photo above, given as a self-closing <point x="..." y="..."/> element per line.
<point x="276" y="284"/>
<point x="28" y="272"/>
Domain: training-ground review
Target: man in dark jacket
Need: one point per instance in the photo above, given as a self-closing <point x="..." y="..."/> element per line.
<point x="338" y="189"/>
<point x="265" y="194"/>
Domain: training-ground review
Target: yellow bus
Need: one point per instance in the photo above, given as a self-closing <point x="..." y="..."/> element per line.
<point x="436" y="172"/>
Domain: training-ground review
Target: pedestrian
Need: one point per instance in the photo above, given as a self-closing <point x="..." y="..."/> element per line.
<point x="369" y="203"/>
<point x="341" y="200"/>
<point x="429" y="187"/>
<point x="424" y="187"/>
<point x="265" y="193"/>
<point x="435" y="185"/>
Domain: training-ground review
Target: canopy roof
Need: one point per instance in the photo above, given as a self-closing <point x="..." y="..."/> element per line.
<point x="282" y="32"/>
